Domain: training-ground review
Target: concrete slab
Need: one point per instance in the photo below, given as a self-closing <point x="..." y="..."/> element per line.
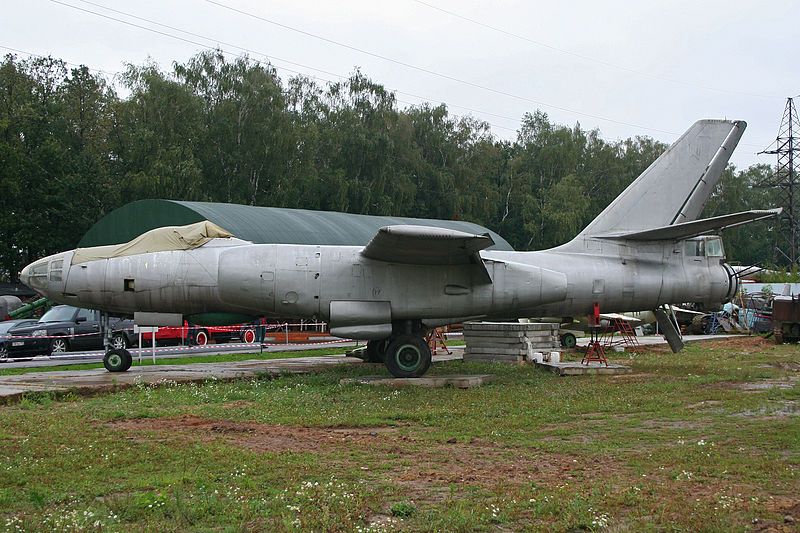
<point x="457" y="381"/>
<point x="577" y="369"/>
<point x="13" y="387"/>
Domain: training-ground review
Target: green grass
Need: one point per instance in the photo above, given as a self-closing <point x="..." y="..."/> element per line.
<point x="680" y="445"/>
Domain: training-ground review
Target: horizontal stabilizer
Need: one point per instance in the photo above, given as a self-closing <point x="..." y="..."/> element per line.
<point x="423" y="245"/>
<point x="687" y="230"/>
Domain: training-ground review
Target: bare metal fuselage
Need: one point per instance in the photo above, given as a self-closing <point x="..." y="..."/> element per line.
<point x="361" y="297"/>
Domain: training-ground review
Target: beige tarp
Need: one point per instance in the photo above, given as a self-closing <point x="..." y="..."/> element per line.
<point x="156" y="240"/>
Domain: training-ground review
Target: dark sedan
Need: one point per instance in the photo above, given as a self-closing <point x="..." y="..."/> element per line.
<point x="11" y="346"/>
<point x="64" y="328"/>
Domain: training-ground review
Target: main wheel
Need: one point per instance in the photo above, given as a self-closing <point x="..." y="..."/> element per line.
<point x="3" y="351"/>
<point x="568" y="340"/>
<point x="59" y="345"/>
<point x="118" y="341"/>
<point x="117" y="360"/>
<point x="408" y="356"/>
<point x="376" y="351"/>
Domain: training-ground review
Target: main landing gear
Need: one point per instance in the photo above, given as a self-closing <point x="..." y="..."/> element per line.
<point x="405" y="353"/>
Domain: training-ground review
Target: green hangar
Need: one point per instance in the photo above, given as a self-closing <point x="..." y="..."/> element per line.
<point x="260" y="225"/>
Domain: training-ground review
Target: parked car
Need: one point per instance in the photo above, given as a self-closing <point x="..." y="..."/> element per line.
<point x="66" y="328"/>
<point x="19" y="347"/>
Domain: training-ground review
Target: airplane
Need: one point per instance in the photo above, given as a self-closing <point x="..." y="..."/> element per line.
<point x="644" y="251"/>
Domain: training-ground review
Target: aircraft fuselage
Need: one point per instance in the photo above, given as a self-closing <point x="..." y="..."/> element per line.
<point x="361" y="297"/>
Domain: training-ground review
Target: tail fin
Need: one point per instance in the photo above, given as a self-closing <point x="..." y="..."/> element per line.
<point x="675" y="188"/>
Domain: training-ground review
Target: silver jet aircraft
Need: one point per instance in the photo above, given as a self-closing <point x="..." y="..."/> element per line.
<point x="645" y="250"/>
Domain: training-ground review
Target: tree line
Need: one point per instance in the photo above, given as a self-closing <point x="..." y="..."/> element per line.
<point x="213" y="129"/>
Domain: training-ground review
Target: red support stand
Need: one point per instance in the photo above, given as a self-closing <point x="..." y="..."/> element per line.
<point x="594" y="350"/>
<point x="434" y="339"/>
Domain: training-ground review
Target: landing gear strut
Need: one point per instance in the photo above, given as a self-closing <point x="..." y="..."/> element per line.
<point x="376" y="350"/>
<point x="117" y="358"/>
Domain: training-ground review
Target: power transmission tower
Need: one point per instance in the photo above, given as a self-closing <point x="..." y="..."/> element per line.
<point x="785" y="182"/>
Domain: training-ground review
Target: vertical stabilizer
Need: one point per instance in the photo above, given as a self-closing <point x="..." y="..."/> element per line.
<point x="676" y="186"/>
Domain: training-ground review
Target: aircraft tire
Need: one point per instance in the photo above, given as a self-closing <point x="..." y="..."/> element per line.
<point x="568" y="340"/>
<point x="118" y="360"/>
<point x="376" y="351"/>
<point x="408" y="356"/>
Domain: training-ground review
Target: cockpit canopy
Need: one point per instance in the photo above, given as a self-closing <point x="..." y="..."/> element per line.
<point x="705" y="246"/>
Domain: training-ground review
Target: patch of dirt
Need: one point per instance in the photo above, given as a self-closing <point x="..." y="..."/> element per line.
<point x="268" y="438"/>
<point x="789" y="508"/>
<point x="238" y="403"/>
<point x="747" y="344"/>
<point x="419" y="465"/>
<point x="793" y="366"/>
<point x="672" y="424"/>
<point x="755" y="386"/>
<point x="704" y="403"/>
<point x="624" y="378"/>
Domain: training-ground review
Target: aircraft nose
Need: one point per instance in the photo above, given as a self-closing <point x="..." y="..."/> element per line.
<point x="35" y="275"/>
<point x="27" y="273"/>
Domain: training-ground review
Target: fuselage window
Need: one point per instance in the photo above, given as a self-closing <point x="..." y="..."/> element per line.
<point x="714" y="248"/>
<point x="695" y="248"/>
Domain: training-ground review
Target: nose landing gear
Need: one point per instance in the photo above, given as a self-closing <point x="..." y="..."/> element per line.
<point x="117" y="360"/>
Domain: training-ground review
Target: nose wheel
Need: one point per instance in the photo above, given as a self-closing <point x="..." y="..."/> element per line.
<point x="117" y="360"/>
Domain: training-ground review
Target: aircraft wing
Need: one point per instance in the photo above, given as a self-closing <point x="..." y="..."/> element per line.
<point x="424" y="245"/>
<point x="685" y="230"/>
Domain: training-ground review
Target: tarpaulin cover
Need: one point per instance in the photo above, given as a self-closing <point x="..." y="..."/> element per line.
<point x="156" y="240"/>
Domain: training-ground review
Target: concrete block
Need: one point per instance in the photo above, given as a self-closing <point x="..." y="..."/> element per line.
<point x="493" y="358"/>
<point x="458" y="381"/>
<point x="504" y="350"/>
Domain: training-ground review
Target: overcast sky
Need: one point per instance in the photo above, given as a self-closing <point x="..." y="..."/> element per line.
<point x="626" y="68"/>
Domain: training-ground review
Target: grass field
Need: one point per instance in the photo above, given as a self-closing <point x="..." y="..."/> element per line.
<point x="706" y="440"/>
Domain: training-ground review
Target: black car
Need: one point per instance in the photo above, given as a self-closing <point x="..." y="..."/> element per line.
<point x="64" y="328"/>
<point x="20" y="346"/>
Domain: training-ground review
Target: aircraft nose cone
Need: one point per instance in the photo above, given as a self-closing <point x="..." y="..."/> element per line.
<point x="35" y="275"/>
<point x="25" y="275"/>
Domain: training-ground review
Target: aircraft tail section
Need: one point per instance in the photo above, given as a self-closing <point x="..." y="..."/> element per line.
<point x="675" y="188"/>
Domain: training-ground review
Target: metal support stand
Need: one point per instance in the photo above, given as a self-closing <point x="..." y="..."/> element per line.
<point x="434" y="338"/>
<point x="594" y="350"/>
